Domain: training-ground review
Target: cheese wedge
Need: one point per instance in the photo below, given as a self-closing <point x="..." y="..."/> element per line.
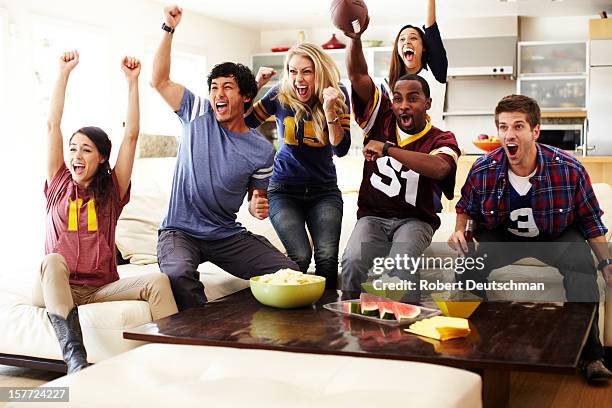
<point x="441" y="327"/>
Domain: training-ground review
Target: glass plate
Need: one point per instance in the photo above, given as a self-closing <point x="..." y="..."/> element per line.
<point x="338" y="307"/>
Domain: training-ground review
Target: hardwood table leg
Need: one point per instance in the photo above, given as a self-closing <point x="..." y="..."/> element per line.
<point x="495" y="388"/>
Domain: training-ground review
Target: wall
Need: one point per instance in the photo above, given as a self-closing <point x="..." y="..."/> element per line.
<point x="449" y="28"/>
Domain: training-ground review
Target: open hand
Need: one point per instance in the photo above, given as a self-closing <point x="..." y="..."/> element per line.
<point x="130" y="67"/>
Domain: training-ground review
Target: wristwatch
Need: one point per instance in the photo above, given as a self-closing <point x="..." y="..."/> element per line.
<point x="333" y="122"/>
<point x="385" y="149"/>
<point x="167" y="28"/>
<point x="604" y="263"/>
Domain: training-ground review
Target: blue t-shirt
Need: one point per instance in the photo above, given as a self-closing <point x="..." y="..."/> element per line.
<point x="214" y="170"/>
<point x="301" y="158"/>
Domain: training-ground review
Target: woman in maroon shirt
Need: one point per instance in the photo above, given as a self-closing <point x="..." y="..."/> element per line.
<point x="84" y="200"/>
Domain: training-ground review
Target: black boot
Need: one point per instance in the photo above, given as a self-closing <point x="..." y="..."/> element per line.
<point x="68" y="332"/>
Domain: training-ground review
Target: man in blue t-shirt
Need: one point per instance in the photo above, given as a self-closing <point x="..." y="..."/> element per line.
<point x="219" y="160"/>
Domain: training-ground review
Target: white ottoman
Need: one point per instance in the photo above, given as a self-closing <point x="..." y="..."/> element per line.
<point x="162" y="375"/>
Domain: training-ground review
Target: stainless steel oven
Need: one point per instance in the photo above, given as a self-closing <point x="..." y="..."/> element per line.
<point x="568" y="137"/>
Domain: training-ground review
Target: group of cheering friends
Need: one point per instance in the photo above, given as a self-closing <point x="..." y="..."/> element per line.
<point x="522" y="193"/>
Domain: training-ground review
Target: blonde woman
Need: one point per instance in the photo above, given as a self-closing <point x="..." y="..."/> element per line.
<point x="312" y="118"/>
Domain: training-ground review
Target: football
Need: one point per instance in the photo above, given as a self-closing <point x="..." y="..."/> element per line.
<point x="349" y="16"/>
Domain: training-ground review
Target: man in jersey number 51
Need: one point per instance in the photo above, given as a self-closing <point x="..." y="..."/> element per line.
<point x="409" y="164"/>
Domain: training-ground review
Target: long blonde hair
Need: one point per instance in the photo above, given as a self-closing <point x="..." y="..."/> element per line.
<point x="326" y="74"/>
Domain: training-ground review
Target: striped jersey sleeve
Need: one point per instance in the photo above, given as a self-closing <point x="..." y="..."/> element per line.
<point x="366" y="112"/>
<point x="262" y="109"/>
<point x="261" y="176"/>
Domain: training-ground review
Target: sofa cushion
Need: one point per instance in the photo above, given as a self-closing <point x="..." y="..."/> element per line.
<point x="25" y="329"/>
<point x="136" y="234"/>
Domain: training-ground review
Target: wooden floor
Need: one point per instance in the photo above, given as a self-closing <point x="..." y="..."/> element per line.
<point x="527" y="389"/>
<point x="558" y="391"/>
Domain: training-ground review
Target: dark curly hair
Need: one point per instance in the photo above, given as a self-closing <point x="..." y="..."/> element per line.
<point x="241" y="73"/>
<point x="101" y="185"/>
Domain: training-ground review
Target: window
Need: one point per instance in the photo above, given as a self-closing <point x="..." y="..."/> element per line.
<point x="88" y="97"/>
<point x="188" y="70"/>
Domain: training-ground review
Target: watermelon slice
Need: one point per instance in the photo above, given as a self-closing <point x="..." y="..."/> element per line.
<point x="404" y="311"/>
<point x="386" y="310"/>
<point x="352" y="307"/>
<point x="369" y="308"/>
<point x="389" y="309"/>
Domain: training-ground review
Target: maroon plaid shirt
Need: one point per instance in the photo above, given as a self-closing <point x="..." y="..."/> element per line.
<point x="562" y="193"/>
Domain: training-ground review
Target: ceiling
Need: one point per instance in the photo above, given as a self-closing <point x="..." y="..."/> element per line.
<point x="286" y="14"/>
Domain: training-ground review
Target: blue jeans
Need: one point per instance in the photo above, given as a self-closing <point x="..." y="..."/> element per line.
<point x="295" y="207"/>
<point x="375" y="237"/>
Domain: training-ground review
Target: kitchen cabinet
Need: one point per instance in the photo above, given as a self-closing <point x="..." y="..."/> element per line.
<point x="555" y="74"/>
<point x="600" y="98"/>
<point x="378" y="59"/>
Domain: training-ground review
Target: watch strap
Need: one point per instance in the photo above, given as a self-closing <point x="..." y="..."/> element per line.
<point x="167" y="28"/>
<point x="385" y="148"/>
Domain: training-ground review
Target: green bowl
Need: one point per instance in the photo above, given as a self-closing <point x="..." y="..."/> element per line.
<point x="287" y="296"/>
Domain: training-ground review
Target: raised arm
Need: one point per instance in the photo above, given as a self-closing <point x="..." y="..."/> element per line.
<point x="357" y="66"/>
<point x="170" y="91"/>
<point x="264" y="75"/>
<point x="55" y="148"/>
<point x="431" y="13"/>
<point x="125" y="160"/>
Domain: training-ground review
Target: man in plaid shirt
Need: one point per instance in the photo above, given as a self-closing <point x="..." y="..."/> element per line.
<point x="526" y="193"/>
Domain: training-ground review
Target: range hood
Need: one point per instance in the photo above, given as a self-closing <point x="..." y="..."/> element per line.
<point x="484" y="56"/>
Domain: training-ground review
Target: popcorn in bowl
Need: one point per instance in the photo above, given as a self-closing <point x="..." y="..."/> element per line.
<point x="287" y="288"/>
<point x="289" y="277"/>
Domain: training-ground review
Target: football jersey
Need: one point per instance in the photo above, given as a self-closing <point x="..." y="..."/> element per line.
<point x="388" y="188"/>
<point x="520" y="221"/>
<point x="301" y="159"/>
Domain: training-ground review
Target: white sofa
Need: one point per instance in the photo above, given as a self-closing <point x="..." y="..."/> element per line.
<point x="26" y="331"/>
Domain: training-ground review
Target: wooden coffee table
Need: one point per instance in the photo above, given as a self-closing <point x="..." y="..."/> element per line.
<point x="505" y="336"/>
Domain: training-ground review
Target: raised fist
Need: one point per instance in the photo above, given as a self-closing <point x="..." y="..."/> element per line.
<point x="68" y="61"/>
<point x="330" y="99"/>
<point x="172" y="15"/>
<point x="259" y="207"/>
<point x="264" y="74"/>
<point x="130" y="67"/>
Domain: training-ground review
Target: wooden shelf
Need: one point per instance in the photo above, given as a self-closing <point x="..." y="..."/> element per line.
<point x="564" y="114"/>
